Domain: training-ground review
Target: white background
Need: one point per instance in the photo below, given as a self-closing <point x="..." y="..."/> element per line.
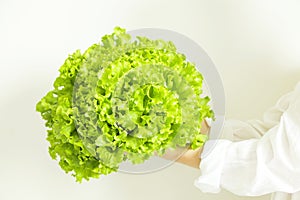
<point x="254" y="44"/>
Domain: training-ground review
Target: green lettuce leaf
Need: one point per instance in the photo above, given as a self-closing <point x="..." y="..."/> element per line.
<point x="122" y="100"/>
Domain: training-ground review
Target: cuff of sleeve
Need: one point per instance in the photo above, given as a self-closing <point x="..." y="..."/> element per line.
<point x="211" y="166"/>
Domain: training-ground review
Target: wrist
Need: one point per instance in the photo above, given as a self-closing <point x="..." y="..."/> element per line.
<point x="192" y="157"/>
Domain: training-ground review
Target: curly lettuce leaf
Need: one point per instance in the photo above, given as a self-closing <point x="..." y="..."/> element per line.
<point x="122" y="99"/>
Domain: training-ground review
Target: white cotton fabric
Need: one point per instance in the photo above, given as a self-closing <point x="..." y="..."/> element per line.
<point x="257" y="157"/>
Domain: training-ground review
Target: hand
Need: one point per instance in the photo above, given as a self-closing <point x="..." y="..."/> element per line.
<point x="190" y="157"/>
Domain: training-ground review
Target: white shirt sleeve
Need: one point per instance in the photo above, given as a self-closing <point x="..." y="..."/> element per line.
<point x="257" y="157"/>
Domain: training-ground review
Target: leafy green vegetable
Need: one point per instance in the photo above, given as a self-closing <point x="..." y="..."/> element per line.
<point x="122" y="100"/>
